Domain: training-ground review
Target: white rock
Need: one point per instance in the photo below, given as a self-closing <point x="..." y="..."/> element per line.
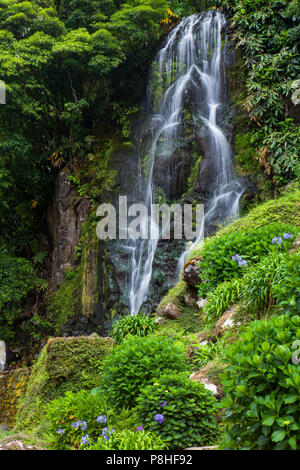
<point x="2" y="355"/>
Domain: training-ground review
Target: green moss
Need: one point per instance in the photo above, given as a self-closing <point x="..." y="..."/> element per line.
<point x="64" y="364"/>
<point x="175" y="295"/>
<point x="12" y="387"/>
<point x="65" y="302"/>
<point x="285" y="209"/>
<point x="245" y="160"/>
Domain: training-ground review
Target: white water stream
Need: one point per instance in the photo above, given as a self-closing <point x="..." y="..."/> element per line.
<point x="191" y="57"/>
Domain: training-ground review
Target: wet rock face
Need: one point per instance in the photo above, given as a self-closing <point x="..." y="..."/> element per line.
<point x="65" y="217"/>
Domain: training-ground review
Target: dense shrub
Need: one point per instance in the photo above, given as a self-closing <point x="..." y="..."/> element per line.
<point x="262" y="386"/>
<point x="287" y="290"/>
<point x="85" y="413"/>
<point x="179" y="410"/>
<point x="267" y="35"/>
<point x="17" y="280"/>
<point x="136" y="363"/>
<point x="221" y="255"/>
<point x="138" y="325"/>
<point x="129" y="440"/>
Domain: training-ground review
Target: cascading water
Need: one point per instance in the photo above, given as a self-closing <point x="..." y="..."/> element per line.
<point x="188" y="64"/>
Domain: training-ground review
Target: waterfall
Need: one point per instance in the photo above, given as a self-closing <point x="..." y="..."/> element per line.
<point x="188" y="63"/>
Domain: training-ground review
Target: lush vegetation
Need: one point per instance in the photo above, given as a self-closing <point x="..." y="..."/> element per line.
<point x="266" y="32"/>
<point x="229" y="257"/>
<point x="136" y="362"/>
<point x="139" y="325"/>
<point x="262" y="387"/>
<point x="180" y="411"/>
<point x="75" y="74"/>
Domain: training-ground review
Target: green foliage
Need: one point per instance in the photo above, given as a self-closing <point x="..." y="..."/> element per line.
<point x="262" y="387"/>
<point x="17" y="280"/>
<point x="61" y="64"/>
<point x="217" y="264"/>
<point x="221" y="298"/>
<point x="257" y="284"/>
<point x="76" y="414"/>
<point x="203" y="353"/>
<point x="187" y="407"/>
<point x="65" y="364"/>
<point x="63" y="304"/>
<point x="287" y="289"/>
<point x="273" y="281"/>
<point x="129" y="440"/>
<point x="137" y="325"/>
<point x="136" y="363"/>
<point x="267" y="34"/>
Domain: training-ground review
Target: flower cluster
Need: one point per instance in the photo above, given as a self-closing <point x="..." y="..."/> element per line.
<point x="79" y="424"/>
<point x="140" y="428"/>
<point x="240" y="260"/>
<point x="85" y="439"/>
<point x="101" y="419"/>
<point x="159" y="418"/>
<point x="164" y="403"/>
<point x="106" y="433"/>
<point x="279" y="240"/>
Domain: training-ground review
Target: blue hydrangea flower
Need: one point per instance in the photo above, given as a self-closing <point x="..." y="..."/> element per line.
<point x="85" y="439"/>
<point x="60" y="431"/>
<point x="140" y="428"/>
<point x="159" y="418"/>
<point x="277" y="241"/>
<point x="287" y="236"/>
<point x="164" y="403"/>
<point x="101" y="419"/>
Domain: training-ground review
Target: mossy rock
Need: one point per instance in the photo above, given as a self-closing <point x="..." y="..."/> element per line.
<point x="65" y="364"/>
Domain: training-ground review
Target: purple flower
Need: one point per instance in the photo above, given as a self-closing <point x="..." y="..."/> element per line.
<point x="83" y="425"/>
<point x="277" y="241"/>
<point x="85" y="439"/>
<point x="241" y="262"/>
<point x="164" y="403"/>
<point x="140" y="428"/>
<point x="106" y="432"/>
<point x="286" y="236"/>
<point x="60" y="431"/>
<point x="101" y="419"/>
<point x="159" y="418"/>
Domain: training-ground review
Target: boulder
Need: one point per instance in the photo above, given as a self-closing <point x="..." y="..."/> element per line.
<point x="201" y="303"/>
<point x="295" y="246"/>
<point x="226" y="321"/>
<point x="191" y="272"/>
<point x="202" y="377"/>
<point x="189" y="301"/>
<point x="160" y="321"/>
<point x="171" y="311"/>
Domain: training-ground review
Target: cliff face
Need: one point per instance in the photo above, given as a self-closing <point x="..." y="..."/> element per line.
<point x="66" y="214"/>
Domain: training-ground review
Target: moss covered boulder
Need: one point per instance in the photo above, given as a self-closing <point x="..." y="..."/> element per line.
<point x="64" y="364"/>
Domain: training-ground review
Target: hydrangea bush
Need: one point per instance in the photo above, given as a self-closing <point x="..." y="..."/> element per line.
<point x="181" y="411"/>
